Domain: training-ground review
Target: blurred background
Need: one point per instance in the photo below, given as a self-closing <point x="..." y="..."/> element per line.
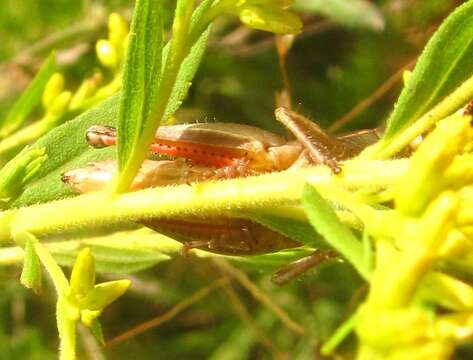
<point x="351" y="55"/>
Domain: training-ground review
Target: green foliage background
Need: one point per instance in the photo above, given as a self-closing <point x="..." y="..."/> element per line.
<point x="330" y="70"/>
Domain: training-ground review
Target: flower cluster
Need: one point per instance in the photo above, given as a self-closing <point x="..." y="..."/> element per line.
<point x="111" y="54"/>
<point x="86" y="300"/>
<point x="416" y="303"/>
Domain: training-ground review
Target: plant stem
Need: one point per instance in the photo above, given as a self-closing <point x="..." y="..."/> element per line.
<point x="339" y="335"/>
<point x="67" y="332"/>
<point x="66" y="325"/>
<point x="55" y="272"/>
<point x="200" y="199"/>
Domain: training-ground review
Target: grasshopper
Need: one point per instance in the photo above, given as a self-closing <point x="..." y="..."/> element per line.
<point x="206" y="151"/>
<point x="222" y="151"/>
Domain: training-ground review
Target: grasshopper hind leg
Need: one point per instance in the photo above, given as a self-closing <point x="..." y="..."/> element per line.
<point x="322" y="148"/>
<point x="301" y="266"/>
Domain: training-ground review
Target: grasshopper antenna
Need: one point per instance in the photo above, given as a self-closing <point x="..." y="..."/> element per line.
<point x="283" y="46"/>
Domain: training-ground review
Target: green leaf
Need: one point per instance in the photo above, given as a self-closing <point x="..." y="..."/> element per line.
<point x="18" y="171"/>
<point x="110" y="259"/>
<point x="325" y="221"/>
<point x="444" y="64"/>
<point x="140" y="81"/>
<point x="186" y="74"/>
<point x="68" y="150"/>
<point x="31" y="274"/>
<point x="96" y="330"/>
<point x="180" y="66"/>
<point x="191" y="62"/>
<point x="352" y="13"/>
<point x="270" y="18"/>
<point x="30" y="98"/>
<point x="67" y="142"/>
<point x="339" y="335"/>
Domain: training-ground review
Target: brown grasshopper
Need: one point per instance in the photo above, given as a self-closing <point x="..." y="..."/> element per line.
<point x="220" y="151"/>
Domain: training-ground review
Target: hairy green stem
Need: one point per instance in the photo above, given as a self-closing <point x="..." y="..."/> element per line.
<point x="55" y="272"/>
<point x="66" y="325"/>
<point x="200" y="199"/>
<point x="67" y="331"/>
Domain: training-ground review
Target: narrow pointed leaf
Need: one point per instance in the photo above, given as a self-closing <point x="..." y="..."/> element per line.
<point x="186" y="74"/>
<point x="162" y="101"/>
<point x="140" y="84"/>
<point x="31" y="274"/>
<point x="443" y="66"/>
<point x="191" y="62"/>
<point x="67" y="141"/>
<point x="325" y="221"/>
<point x="141" y="76"/>
<point x="96" y="330"/>
<point x="153" y="60"/>
<point x="30" y="98"/>
<point x="68" y="144"/>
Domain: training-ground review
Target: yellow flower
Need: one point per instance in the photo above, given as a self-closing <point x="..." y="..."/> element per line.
<point x="270" y="18"/>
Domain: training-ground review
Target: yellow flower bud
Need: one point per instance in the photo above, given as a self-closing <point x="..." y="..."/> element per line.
<point x="117" y="29"/>
<point x="87" y="317"/>
<point x="105" y="293"/>
<point x="107" y="53"/>
<point x="54" y="86"/>
<point x="445" y="290"/>
<point x="432" y="164"/>
<point x="85" y="90"/>
<point x="270" y="18"/>
<point x="83" y="274"/>
<point x="60" y="104"/>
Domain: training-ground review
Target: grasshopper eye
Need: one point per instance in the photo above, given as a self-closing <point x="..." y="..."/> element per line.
<point x="99" y="136"/>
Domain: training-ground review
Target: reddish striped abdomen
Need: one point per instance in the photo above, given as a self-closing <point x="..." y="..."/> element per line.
<point x="217" y="156"/>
